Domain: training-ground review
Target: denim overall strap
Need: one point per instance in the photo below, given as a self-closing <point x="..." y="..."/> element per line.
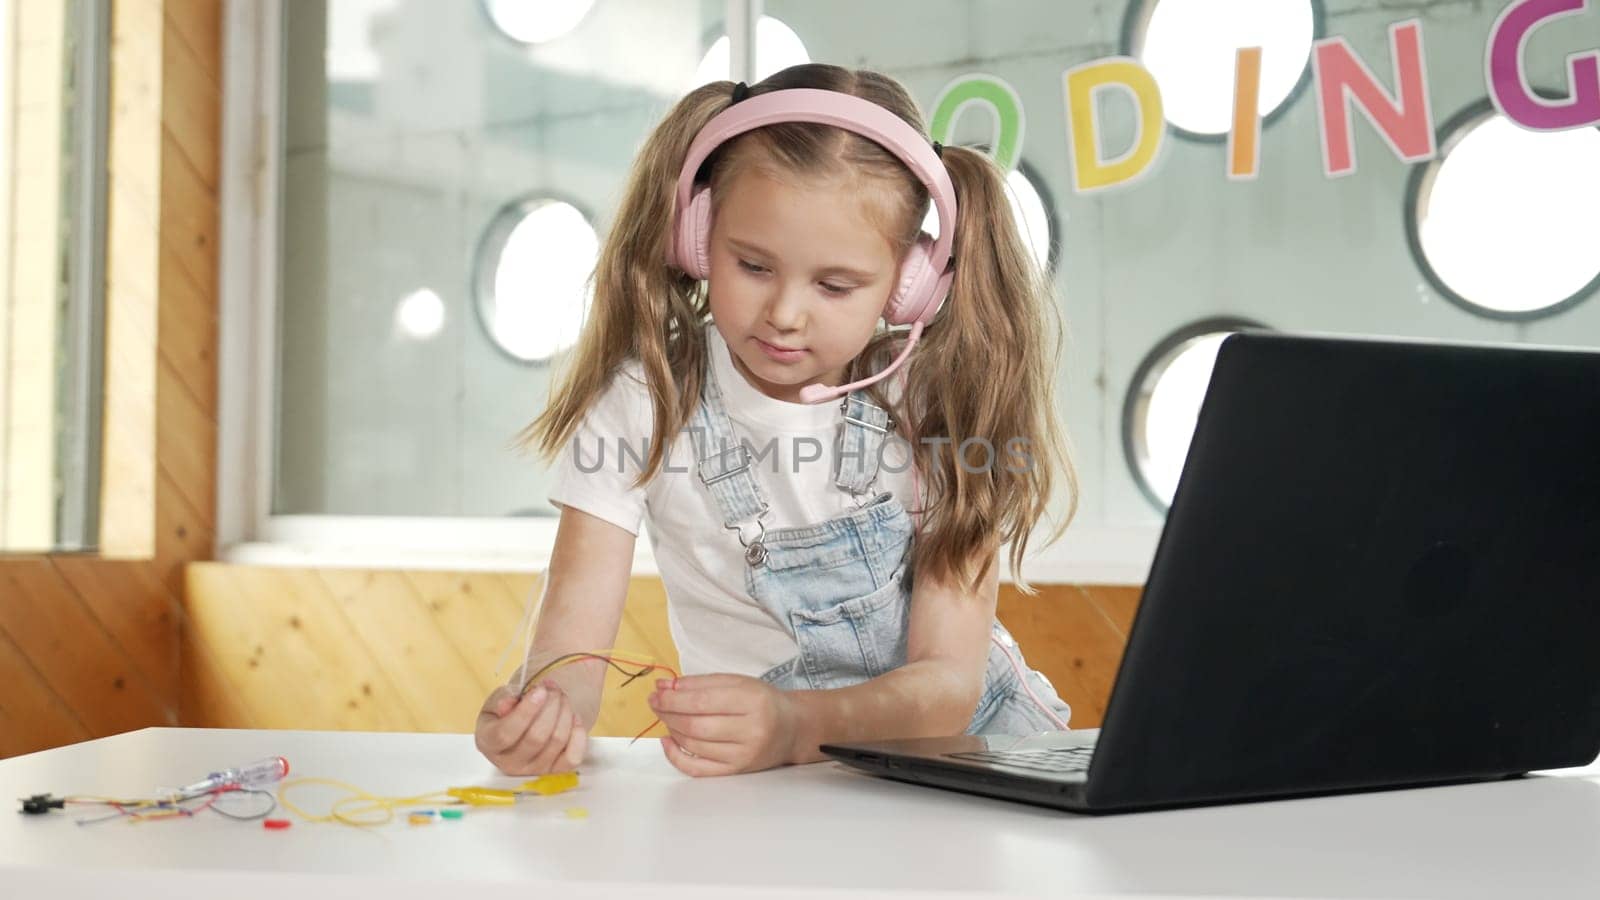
<point x="859" y="450"/>
<point x="724" y="463"/>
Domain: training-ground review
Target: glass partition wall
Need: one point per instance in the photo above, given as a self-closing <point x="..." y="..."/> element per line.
<point x="447" y="171"/>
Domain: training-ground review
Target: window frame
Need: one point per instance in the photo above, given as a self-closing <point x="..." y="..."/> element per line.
<point x="82" y="388"/>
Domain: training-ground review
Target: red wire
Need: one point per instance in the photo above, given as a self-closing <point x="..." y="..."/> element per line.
<point x="648" y="667"/>
<point x="173" y="812"/>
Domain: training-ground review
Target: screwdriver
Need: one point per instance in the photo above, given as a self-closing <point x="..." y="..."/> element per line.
<point x="250" y="776"/>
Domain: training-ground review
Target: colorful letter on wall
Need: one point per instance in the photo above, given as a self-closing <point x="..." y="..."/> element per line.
<point x="998" y="95"/>
<point x="1508" y="83"/>
<point x="1090" y="172"/>
<point x="1244" y="140"/>
<point x="1406" y="125"/>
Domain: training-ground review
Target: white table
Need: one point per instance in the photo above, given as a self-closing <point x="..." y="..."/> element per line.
<point x="794" y="832"/>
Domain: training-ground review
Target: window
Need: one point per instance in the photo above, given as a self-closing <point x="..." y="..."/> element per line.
<point x="1502" y="222"/>
<point x="777" y="48"/>
<point x="421" y="143"/>
<point x="1163" y="403"/>
<point x="1190" y="47"/>
<point x="1030" y="209"/>
<point x="532" y="276"/>
<point x="53" y="90"/>
<point x="536" y="22"/>
<point x="442" y="191"/>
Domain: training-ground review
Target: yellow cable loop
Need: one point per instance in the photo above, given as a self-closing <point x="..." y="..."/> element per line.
<point x="363" y="809"/>
<point x="368" y="810"/>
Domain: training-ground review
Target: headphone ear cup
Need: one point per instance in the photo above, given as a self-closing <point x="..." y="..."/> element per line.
<point x="914" y="295"/>
<point x="693" y="240"/>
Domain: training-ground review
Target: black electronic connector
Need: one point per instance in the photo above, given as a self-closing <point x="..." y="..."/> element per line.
<point x="39" y="804"/>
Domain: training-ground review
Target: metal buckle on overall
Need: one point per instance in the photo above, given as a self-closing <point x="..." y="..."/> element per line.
<point x="862" y="497"/>
<point x="755" y="552"/>
<point x="885" y="428"/>
<point x="744" y="463"/>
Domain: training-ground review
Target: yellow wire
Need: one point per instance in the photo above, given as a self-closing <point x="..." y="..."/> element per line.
<point x="85" y="798"/>
<point x="128" y="806"/>
<point x="367" y="805"/>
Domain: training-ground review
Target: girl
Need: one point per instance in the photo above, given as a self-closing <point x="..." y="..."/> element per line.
<point x="789" y="217"/>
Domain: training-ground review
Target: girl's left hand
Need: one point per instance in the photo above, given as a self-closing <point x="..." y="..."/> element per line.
<point x="724" y="724"/>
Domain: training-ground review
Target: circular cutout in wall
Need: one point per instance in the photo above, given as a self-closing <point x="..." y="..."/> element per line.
<point x="777" y="48"/>
<point x="536" y="21"/>
<point x="1163" y="403"/>
<point x="1501" y="222"/>
<point x="1031" y="208"/>
<point x="1190" y="47"/>
<point x="531" y="277"/>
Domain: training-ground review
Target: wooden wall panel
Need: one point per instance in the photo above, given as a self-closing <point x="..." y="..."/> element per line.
<point x="80" y="659"/>
<point x="89" y="643"/>
<point x="1074" y="635"/>
<point x="416" y="651"/>
<point x="427" y="645"/>
<point x="31" y="714"/>
<point x="117" y="594"/>
<point x="432" y="677"/>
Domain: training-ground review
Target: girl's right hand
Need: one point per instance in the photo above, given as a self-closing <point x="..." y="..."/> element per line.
<point x="537" y="734"/>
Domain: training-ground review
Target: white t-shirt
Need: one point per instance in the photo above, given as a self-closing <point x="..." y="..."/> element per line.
<point x="716" y="625"/>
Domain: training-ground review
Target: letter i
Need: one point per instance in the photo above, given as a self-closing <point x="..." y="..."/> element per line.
<point x="1244" y="139"/>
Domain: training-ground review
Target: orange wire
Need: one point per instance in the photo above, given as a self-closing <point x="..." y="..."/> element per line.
<point x="648" y="667"/>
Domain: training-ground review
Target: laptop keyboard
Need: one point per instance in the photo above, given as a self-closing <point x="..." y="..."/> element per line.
<point x="1059" y="759"/>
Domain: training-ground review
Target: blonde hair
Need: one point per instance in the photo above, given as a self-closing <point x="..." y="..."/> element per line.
<point x="981" y="370"/>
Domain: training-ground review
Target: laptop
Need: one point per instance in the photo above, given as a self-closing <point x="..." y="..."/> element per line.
<point x="1381" y="569"/>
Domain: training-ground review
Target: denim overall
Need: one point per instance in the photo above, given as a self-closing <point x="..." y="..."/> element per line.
<point x="842" y="586"/>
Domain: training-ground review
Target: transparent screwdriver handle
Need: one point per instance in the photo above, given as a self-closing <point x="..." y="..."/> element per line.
<point x="260" y="773"/>
<point x="254" y="775"/>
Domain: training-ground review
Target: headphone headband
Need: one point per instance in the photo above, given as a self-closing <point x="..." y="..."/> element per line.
<point x="841" y="110"/>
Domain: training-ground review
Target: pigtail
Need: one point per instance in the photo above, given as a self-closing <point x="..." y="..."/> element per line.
<point x="641" y="307"/>
<point x="985" y="370"/>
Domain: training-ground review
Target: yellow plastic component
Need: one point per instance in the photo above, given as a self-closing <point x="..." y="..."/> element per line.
<point x="577" y="812"/>
<point x="546" y="785"/>
<point x="482" y="796"/>
<point x="419" y="819"/>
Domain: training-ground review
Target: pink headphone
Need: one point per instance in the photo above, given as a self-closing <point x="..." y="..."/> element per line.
<point x="928" y="267"/>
